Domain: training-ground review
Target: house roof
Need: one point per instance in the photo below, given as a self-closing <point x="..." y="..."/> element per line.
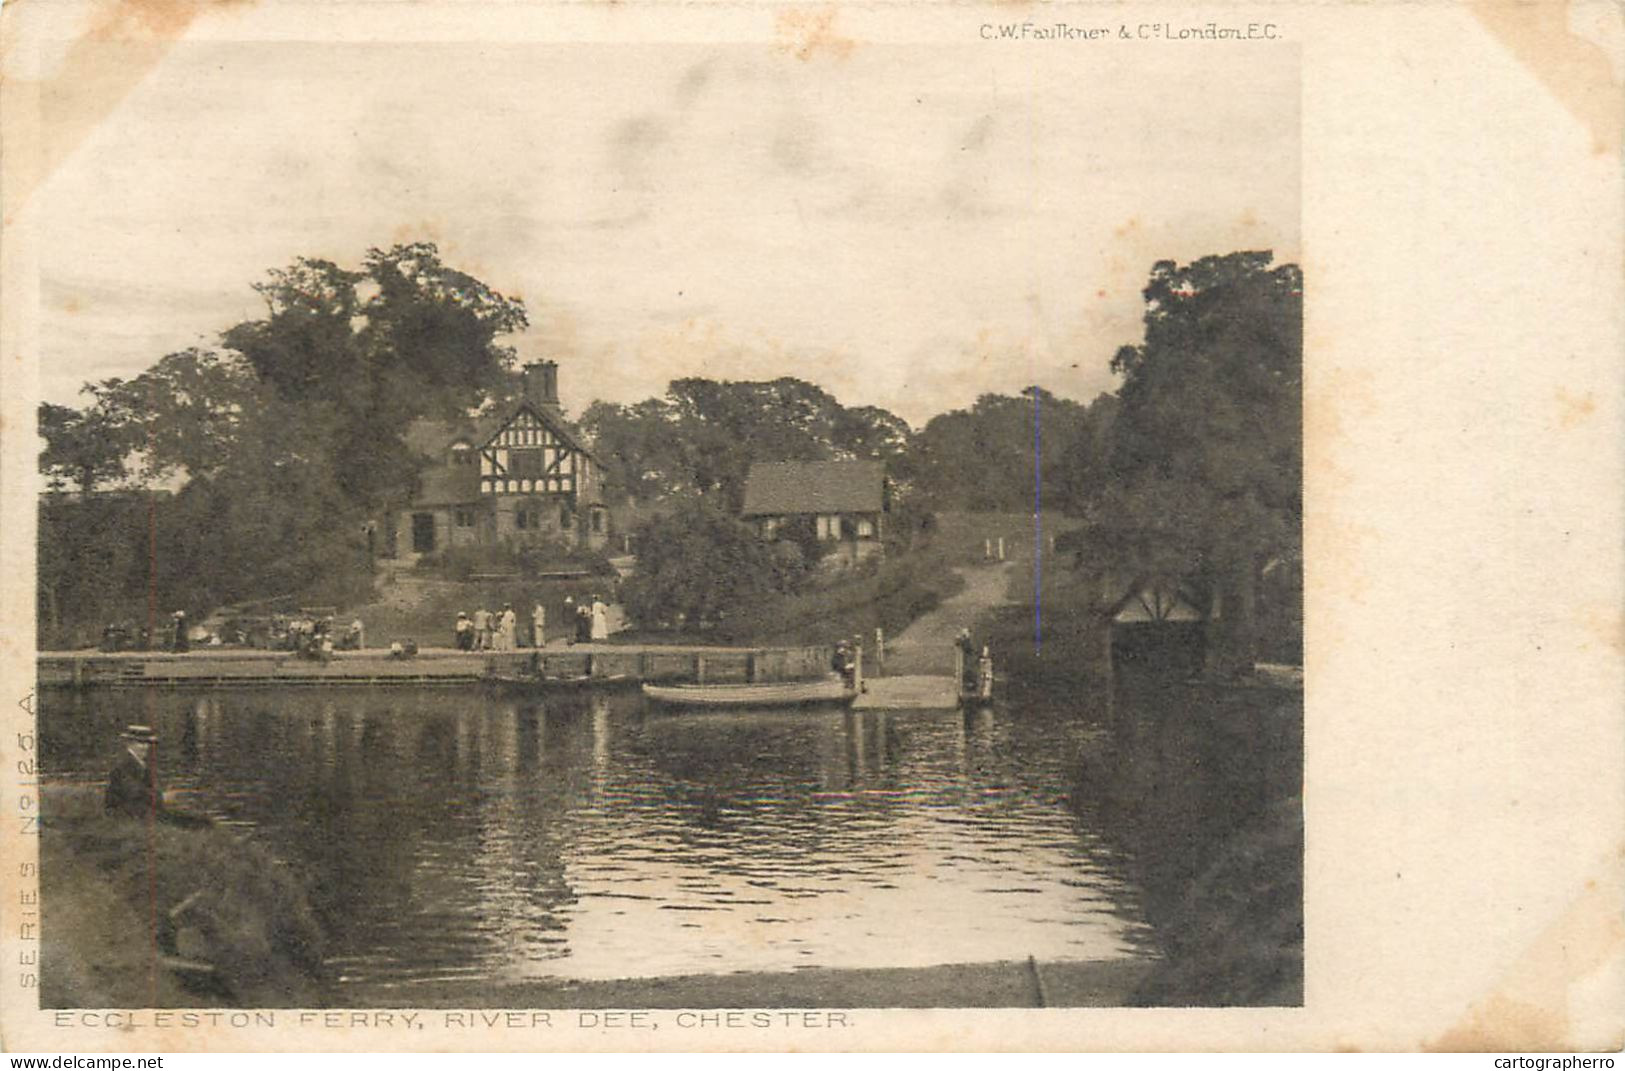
<point x="448" y="485"/>
<point x="432" y="438"/>
<point x="547" y="415"/>
<point x="814" y="487"/>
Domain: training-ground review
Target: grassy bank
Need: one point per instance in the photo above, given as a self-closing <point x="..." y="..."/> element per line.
<point x="109" y="887"/>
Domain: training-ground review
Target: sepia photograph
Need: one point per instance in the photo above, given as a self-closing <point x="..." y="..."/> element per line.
<point x="637" y="517"/>
<point x="720" y="530"/>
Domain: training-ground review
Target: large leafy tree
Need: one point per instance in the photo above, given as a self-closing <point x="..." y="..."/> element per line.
<point x="184" y="416"/>
<point x="404" y="337"/>
<point x="701" y="565"/>
<point x="83" y="447"/>
<point x="1198" y="480"/>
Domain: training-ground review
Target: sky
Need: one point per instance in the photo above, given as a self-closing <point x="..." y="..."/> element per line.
<point x="906" y="226"/>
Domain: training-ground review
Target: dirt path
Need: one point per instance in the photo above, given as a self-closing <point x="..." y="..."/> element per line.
<point x="926" y="646"/>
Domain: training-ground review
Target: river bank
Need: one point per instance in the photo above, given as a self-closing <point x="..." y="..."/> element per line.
<point x="1202" y="784"/>
<point x="1004" y="984"/>
<point x="133" y="911"/>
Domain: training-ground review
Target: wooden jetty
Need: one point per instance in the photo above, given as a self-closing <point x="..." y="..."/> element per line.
<point x="583" y="664"/>
<point x="246" y="667"/>
<point x="908" y="693"/>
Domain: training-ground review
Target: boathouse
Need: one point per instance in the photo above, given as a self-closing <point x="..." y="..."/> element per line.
<point x="522" y="476"/>
<point x="841" y="504"/>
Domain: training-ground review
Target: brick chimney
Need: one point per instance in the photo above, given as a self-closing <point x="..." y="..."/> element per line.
<point x="542" y="384"/>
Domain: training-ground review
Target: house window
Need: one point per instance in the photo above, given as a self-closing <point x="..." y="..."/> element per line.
<point x="465" y="518"/>
<point x="770" y="527"/>
<point x="865" y="528"/>
<point x="566" y="518"/>
<point x="461" y="454"/>
<point x="597" y="520"/>
<point x="526" y="464"/>
<point x="529" y="518"/>
<point x="829" y="526"/>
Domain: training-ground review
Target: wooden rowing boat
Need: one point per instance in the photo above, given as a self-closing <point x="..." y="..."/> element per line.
<point x="783" y="694"/>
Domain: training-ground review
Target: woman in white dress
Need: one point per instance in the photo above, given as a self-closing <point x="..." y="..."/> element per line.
<point x="505" y="628"/>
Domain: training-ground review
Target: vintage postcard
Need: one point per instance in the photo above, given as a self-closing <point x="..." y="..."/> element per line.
<point x="554" y="526"/>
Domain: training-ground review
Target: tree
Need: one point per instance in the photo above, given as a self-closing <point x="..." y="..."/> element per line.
<point x="185" y="414"/>
<point x="982" y="459"/>
<point x="701" y="565"/>
<point x="1200" y="476"/>
<point x="423" y="343"/>
<point x="84" y="447"/>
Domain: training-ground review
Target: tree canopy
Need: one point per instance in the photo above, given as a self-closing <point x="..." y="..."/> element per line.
<point x="982" y="458"/>
<point x="285" y="438"/>
<point x="1199" y="476"/>
<point x="703" y="435"/>
<point x="700" y="565"/>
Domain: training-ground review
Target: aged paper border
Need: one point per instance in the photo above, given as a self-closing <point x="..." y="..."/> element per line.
<point x="1462" y="249"/>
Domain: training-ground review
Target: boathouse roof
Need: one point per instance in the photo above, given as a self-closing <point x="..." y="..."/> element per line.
<point x="791" y="487"/>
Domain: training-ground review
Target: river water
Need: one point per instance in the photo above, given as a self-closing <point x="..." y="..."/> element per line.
<point x="452" y="836"/>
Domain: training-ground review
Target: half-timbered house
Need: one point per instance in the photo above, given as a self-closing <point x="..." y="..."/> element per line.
<point x="522" y="477"/>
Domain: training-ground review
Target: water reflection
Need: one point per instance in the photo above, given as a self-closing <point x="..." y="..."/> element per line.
<point x="447" y="835"/>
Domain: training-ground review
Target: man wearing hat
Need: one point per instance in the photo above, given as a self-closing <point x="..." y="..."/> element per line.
<point x="132" y="785"/>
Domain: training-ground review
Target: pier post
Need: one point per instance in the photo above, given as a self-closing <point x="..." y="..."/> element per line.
<point x="645" y="666"/>
<point x="592" y="664"/>
<point x="959" y="668"/>
<point x="699" y="669"/>
<point x="880" y="650"/>
<point x="857" y="674"/>
<point x="752" y="673"/>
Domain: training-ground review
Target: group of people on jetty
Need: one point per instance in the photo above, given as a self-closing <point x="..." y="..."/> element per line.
<point x="485" y="630"/>
<point x="306" y="633"/>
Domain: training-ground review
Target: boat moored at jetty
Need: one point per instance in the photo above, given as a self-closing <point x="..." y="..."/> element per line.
<point x="780" y="694"/>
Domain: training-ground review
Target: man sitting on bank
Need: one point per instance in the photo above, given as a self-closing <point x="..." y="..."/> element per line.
<point x="132" y="784"/>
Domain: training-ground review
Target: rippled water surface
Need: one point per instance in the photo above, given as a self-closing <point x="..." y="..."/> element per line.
<point x="456" y="836"/>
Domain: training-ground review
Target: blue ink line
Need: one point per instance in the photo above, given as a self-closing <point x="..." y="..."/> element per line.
<point x="1038" y="526"/>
